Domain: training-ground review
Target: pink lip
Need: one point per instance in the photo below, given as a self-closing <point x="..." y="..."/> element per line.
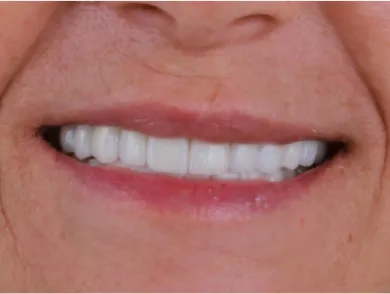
<point x="200" y="198"/>
<point x="196" y="198"/>
<point x="159" y="120"/>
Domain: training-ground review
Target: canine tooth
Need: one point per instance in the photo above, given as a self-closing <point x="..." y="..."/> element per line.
<point x="208" y="158"/>
<point x="291" y="155"/>
<point x="308" y="153"/>
<point x="243" y="157"/>
<point x="321" y="152"/>
<point x="270" y="158"/>
<point x="132" y="148"/>
<point x="105" y="143"/>
<point x="167" y="155"/>
<point x="82" y="141"/>
<point x="67" y="136"/>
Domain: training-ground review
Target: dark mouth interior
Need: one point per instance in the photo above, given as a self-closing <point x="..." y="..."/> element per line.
<point x="51" y="135"/>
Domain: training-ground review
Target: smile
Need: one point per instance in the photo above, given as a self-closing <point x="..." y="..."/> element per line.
<point x="149" y="158"/>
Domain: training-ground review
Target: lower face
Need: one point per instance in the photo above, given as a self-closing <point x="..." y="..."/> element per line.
<point x="256" y="170"/>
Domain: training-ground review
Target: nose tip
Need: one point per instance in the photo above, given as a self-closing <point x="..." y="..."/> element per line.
<point x="212" y="24"/>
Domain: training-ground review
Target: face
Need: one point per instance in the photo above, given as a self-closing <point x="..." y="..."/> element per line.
<point x="173" y="146"/>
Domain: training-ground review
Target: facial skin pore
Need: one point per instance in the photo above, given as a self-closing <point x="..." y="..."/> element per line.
<point x="321" y="66"/>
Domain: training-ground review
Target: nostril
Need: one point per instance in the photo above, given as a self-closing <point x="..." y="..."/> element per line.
<point x="251" y="27"/>
<point x="255" y="18"/>
<point x="144" y="14"/>
<point x="146" y="9"/>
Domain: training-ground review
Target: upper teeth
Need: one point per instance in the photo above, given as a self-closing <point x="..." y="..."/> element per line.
<point x="182" y="156"/>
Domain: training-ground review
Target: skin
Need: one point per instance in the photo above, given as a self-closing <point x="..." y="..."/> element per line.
<point x="320" y="65"/>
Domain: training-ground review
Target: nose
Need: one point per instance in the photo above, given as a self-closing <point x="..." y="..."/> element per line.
<point x="211" y="24"/>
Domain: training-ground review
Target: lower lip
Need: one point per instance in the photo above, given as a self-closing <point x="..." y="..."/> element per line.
<point x="201" y="199"/>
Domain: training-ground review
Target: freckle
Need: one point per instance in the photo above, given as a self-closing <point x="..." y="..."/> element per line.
<point x="350" y="238"/>
<point x="302" y="221"/>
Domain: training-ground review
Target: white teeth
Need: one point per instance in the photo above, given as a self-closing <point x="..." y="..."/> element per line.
<point x="167" y="155"/>
<point x="189" y="158"/>
<point x="228" y="176"/>
<point x="270" y="158"/>
<point x="82" y="142"/>
<point x="67" y="135"/>
<point x="252" y="175"/>
<point x="208" y="158"/>
<point x="275" y="176"/>
<point x="105" y="144"/>
<point x="241" y="157"/>
<point x="132" y="148"/>
<point x="94" y="162"/>
<point x="309" y="152"/>
<point x="321" y="152"/>
<point x="291" y="156"/>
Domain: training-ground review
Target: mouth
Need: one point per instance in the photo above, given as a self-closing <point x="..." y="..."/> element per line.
<point x="170" y="159"/>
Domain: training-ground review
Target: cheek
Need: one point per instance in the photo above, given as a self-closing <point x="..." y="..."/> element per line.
<point x="21" y="24"/>
<point x="365" y="31"/>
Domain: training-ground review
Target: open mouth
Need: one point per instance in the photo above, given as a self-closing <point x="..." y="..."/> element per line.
<point x="189" y="158"/>
<point x="156" y="164"/>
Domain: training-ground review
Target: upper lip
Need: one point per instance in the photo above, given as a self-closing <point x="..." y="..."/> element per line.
<point x="156" y="119"/>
